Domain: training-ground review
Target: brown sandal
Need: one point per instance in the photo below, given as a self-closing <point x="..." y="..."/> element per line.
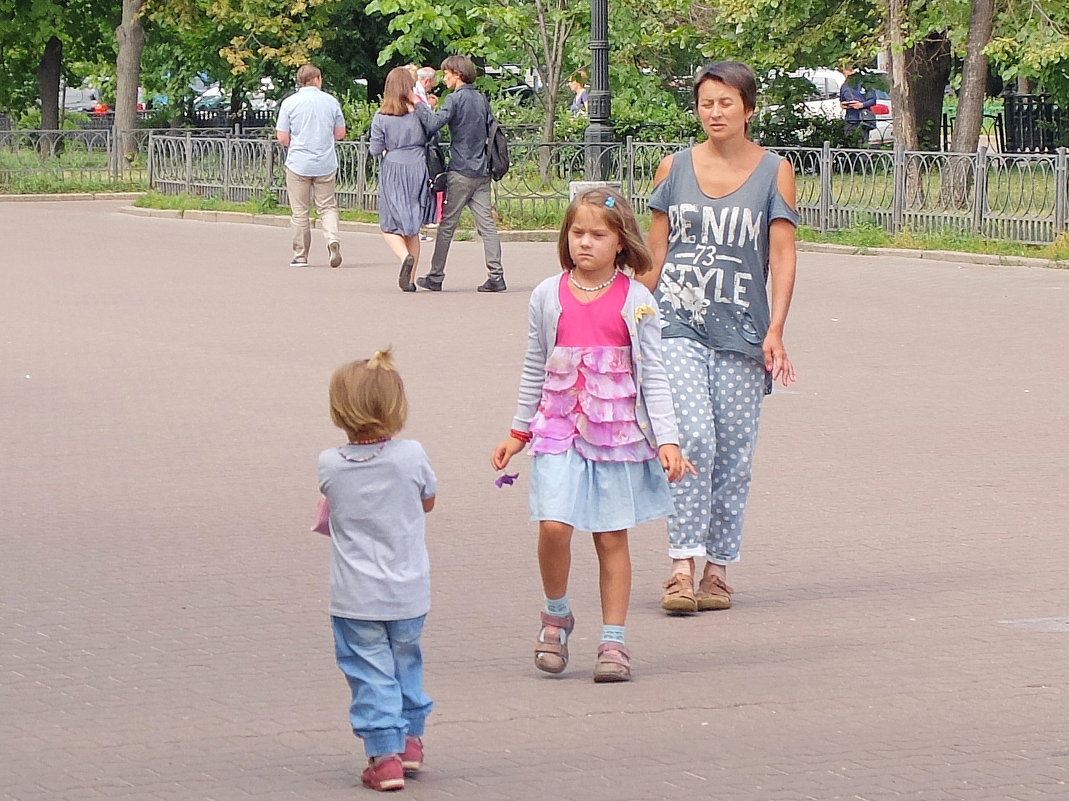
<point x="614" y="663"/>
<point x="713" y="593"/>
<point x="679" y="594"/>
<point x="551" y="648"/>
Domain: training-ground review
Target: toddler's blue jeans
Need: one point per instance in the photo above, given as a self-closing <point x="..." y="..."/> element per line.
<point x="383" y="664"/>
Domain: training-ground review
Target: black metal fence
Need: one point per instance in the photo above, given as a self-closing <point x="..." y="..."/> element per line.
<point x="1020" y="197"/>
<point x="1034" y="124"/>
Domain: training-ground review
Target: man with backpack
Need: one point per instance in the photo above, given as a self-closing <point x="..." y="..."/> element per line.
<point x="467" y="113"/>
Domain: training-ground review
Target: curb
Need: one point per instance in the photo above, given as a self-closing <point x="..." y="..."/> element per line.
<point x="283" y="221"/>
<point x="71" y="196"/>
<point x="545" y="235"/>
<point x="934" y="255"/>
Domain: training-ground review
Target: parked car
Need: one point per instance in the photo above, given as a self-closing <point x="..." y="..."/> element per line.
<point x="824" y="99"/>
<point x="79" y="98"/>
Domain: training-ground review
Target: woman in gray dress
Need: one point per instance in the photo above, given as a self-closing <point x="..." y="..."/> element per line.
<point x="398" y="134"/>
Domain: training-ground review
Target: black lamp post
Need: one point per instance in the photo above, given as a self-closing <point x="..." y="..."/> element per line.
<point x="599" y="103"/>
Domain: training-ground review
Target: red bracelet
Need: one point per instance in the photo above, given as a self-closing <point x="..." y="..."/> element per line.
<point x="522" y="436"/>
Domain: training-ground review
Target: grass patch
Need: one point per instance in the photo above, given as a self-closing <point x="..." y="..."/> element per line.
<point x="867" y="235"/>
<point x="54" y="184"/>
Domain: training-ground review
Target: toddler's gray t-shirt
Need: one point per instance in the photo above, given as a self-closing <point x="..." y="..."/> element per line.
<point x="379" y="568"/>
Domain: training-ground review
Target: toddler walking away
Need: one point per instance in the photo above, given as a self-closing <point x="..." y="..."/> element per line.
<point x="379" y="489"/>
<point x="595" y="406"/>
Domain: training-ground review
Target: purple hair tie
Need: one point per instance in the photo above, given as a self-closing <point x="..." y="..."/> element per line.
<point x="507" y="479"/>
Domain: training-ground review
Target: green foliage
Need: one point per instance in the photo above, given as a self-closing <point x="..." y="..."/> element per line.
<point x="84" y="27"/>
<point x="266" y="203"/>
<point x="1033" y="42"/>
<point x="30" y="120"/>
<point x="643" y="109"/>
<point x="782" y="121"/>
<point x="358" y="114"/>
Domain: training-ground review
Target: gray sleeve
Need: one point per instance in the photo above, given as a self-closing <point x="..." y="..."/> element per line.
<point x="661" y="197"/>
<point x="377" y="143"/>
<point x="283" y="123"/>
<point x="656" y="392"/>
<point x="778" y="207"/>
<point x="534" y="361"/>
<point x="428" y="480"/>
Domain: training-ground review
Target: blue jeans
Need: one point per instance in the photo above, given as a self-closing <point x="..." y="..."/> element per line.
<point x="383" y="664"/>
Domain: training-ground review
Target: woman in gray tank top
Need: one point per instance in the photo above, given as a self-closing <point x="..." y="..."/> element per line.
<point x="724" y="220"/>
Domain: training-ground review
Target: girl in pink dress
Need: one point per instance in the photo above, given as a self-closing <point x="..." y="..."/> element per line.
<point x="595" y="406"/>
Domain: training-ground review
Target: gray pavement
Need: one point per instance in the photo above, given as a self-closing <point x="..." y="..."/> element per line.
<point x="901" y="628"/>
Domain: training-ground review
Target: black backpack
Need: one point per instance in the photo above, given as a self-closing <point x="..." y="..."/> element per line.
<point x="497" y="150"/>
<point x="436" y="172"/>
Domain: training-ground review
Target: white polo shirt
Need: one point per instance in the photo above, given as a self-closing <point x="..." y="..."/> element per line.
<point x="310" y="116"/>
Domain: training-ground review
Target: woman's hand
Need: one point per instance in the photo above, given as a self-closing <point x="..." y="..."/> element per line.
<point x="674" y="464"/>
<point x="505" y="451"/>
<point x="776" y="360"/>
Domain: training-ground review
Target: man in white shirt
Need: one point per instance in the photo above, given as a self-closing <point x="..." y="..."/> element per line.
<point x="309" y="123"/>
<point x="426" y="80"/>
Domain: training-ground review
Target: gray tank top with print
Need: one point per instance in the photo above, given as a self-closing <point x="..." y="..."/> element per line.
<point x="713" y="286"/>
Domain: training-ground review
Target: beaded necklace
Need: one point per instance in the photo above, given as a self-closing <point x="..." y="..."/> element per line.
<point x="381" y="442"/>
<point x="598" y="288"/>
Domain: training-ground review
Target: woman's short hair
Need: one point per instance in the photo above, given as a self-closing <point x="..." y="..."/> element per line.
<point x="396" y="94"/>
<point x="307" y="73"/>
<point x="367" y="397"/>
<point x="462" y="66"/>
<point x="619" y="216"/>
<point x="730" y="73"/>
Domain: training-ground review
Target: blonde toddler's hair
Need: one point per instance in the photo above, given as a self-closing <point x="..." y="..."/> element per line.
<point x="367" y="397"/>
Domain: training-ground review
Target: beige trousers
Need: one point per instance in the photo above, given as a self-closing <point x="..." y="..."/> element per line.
<point x="303" y="191"/>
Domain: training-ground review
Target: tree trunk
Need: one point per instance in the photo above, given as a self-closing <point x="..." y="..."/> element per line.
<point x="928" y="68"/>
<point x="48" y="73"/>
<point x="901" y="94"/>
<point x="130" y="37"/>
<point x="966" y="136"/>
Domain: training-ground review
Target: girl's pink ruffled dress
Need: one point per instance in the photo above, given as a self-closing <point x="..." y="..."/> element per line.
<point x="593" y="468"/>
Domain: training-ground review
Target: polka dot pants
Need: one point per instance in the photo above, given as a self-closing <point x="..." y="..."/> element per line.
<point x="717" y="396"/>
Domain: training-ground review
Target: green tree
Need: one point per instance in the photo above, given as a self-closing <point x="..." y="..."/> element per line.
<point x="39" y="38"/>
<point x="1031" y="41"/>
<point x="240" y="41"/>
<point x="538" y="33"/>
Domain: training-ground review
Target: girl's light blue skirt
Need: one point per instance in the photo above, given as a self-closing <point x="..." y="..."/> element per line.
<point x="597" y="496"/>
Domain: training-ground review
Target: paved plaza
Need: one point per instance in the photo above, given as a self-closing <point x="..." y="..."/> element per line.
<point x="901" y="628"/>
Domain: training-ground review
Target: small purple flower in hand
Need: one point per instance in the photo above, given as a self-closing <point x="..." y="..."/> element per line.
<point x="507" y="479"/>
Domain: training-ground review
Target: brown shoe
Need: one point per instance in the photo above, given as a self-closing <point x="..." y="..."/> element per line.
<point x="679" y="594"/>
<point x="614" y="663"/>
<point x="713" y="593"/>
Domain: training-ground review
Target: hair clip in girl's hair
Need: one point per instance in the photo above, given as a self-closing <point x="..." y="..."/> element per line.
<point x="610" y="201"/>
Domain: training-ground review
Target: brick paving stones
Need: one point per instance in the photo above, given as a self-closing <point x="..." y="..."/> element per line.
<point x="163" y="632"/>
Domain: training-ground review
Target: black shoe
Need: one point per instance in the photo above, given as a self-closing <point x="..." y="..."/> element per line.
<point x="493" y="284"/>
<point x="426" y="282"/>
<point x="404" y="279"/>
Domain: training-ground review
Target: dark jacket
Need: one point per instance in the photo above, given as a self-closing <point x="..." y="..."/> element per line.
<point x="848" y="93"/>
<point x="467" y="113"/>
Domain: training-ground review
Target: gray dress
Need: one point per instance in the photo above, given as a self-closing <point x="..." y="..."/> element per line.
<point x="405" y="201"/>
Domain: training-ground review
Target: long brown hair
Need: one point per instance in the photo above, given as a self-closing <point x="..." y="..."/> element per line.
<point x="397" y="94"/>
<point x="618" y="215"/>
